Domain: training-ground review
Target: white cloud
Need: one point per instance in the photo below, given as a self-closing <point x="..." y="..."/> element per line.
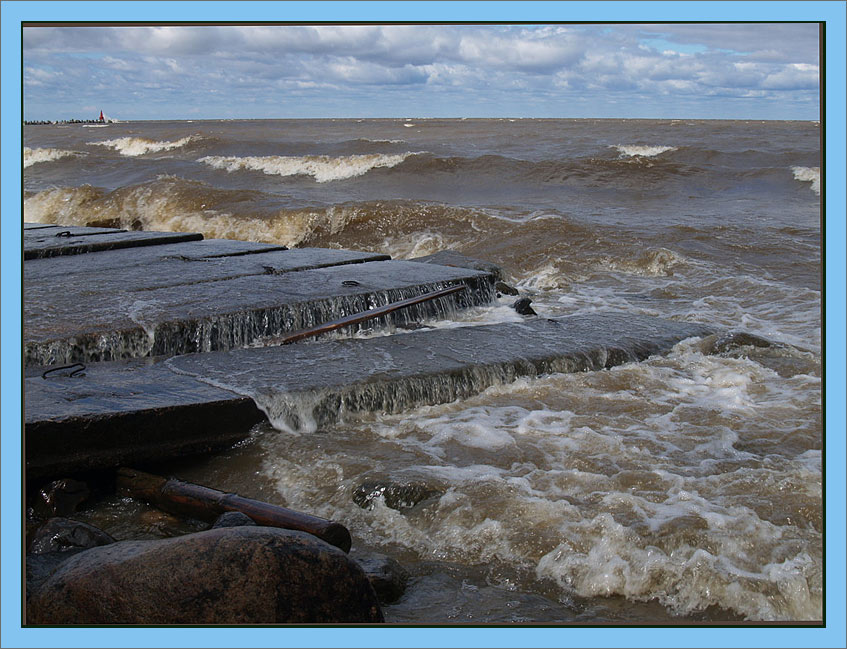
<point x="551" y="63"/>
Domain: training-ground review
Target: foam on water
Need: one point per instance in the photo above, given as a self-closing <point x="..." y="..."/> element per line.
<point x="692" y="480"/>
<point x="658" y="481"/>
<point x="34" y="156"/>
<point x="809" y="175"/>
<point x="322" y="168"/>
<point x="137" y="146"/>
<point x="642" y="150"/>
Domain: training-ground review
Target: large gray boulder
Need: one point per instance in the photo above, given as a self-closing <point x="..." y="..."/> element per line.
<point x="236" y="575"/>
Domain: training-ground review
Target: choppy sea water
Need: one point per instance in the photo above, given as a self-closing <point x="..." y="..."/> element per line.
<point x="683" y="488"/>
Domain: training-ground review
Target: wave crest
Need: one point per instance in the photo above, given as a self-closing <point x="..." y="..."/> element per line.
<point x="137" y="146"/>
<point x="322" y="168"/>
<point x="641" y="150"/>
<point x="809" y="175"/>
<point x="34" y="156"/>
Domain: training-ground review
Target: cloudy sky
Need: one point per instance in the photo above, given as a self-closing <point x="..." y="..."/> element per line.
<point x="743" y="71"/>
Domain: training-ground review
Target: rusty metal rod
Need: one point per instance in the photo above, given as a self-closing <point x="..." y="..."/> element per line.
<point x="179" y="497"/>
<point x="356" y="318"/>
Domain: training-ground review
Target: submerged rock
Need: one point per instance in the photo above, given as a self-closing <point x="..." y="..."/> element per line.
<point x="238" y="575"/>
<point x="386" y="575"/>
<point x="62" y="534"/>
<point x="399" y="496"/>
<point x="731" y="341"/>
<point x="54" y="543"/>
<point x="232" y="519"/>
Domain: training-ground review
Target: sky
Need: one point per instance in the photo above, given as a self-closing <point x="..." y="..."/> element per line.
<point x="695" y="70"/>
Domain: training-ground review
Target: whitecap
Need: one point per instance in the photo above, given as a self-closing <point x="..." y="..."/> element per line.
<point x="34" y="156"/>
<point x="321" y="167"/>
<point x="136" y="146"/>
<point x="809" y="175"/>
<point x="642" y="151"/>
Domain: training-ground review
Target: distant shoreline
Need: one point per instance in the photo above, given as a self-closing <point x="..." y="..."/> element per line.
<point x="66" y="121"/>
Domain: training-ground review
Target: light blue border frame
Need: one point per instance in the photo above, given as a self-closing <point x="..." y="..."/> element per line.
<point x="13" y="13"/>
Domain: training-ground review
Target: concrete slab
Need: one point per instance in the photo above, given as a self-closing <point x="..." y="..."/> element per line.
<point x="187" y="264"/>
<point x="458" y="260"/>
<point x="126" y="413"/>
<point x="136" y="411"/>
<point x="56" y="268"/>
<point x="303" y="386"/>
<point x="75" y="240"/>
<point x="126" y="315"/>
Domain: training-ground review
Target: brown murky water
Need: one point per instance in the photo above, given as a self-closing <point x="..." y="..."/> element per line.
<point x="683" y="488"/>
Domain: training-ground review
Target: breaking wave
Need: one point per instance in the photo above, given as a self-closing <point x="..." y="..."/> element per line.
<point x="34" y="156"/>
<point x="809" y="175"/>
<point x="136" y="146"/>
<point x="322" y="168"/>
<point x="643" y="151"/>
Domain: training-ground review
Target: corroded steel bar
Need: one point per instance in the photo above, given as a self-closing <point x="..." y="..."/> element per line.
<point x="356" y="318"/>
<point x="204" y="503"/>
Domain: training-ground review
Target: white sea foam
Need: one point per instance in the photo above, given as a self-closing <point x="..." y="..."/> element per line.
<point x="136" y="146"/>
<point x="34" y="156"/>
<point x="321" y="167"/>
<point x="634" y="482"/>
<point x="809" y="175"/>
<point x="642" y="151"/>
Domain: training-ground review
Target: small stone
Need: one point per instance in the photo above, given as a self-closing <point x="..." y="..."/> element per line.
<point x="63" y="534"/>
<point x="233" y="519"/>
<point x="523" y="307"/>
<point x="62" y="497"/>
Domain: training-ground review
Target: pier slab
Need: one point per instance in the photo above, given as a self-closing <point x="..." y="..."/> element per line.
<point x="144" y="410"/>
<point x="207" y="306"/>
<point x="75" y="240"/>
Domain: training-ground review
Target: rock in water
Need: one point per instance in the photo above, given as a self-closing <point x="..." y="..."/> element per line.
<point x="505" y="289"/>
<point x="54" y="543"/>
<point x="522" y="306"/>
<point x="386" y="575"/>
<point x="62" y="497"/>
<point x="63" y="534"/>
<point x="733" y="340"/>
<point x="233" y="519"/>
<point x="237" y="575"/>
<point x="399" y="496"/>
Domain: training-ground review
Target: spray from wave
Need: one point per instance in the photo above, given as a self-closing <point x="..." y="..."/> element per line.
<point x="137" y="146"/>
<point x="34" y="156"/>
<point x="321" y="167"/>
